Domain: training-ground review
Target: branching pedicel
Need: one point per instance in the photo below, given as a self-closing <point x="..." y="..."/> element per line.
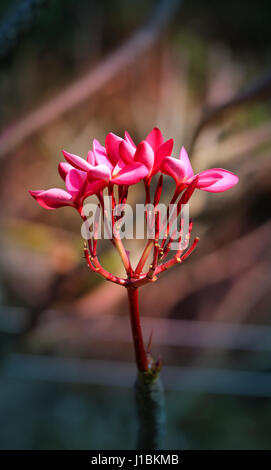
<point x="120" y="162"/>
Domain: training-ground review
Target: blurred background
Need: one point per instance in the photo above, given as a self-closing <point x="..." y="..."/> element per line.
<point x="77" y="69"/>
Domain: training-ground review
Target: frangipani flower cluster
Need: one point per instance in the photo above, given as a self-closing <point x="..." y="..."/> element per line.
<point x="120" y="162"/>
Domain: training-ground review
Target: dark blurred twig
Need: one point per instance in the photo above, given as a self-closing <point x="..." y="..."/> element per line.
<point x="84" y="87"/>
<point x="258" y="90"/>
<point x="18" y="19"/>
<point x="233" y="147"/>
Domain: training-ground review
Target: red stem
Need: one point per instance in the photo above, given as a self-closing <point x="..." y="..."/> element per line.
<point x="140" y="353"/>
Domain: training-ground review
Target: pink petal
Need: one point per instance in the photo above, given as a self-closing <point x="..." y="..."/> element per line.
<point x="63" y="169"/>
<point x="100" y="172"/>
<point x="76" y="162"/>
<point x="52" y="198"/>
<point x="91" y="158"/>
<point x="94" y="187"/>
<point x="101" y="157"/>
<point x="163" y="151"/>
<point x="175" y="168"/>
<point x="131" y="174"/>
<point x="75" y="181"/>
<point x="129" y="139"/>
<point x="112" y="143"/>
<point x="126" y="151"/>
<point x="216" y="180"/>
<point x="186" y="162"/>
<point x="155" y="139"/>
<point x="144" y="154"/>
<point x="98" y="147"/>
<point x="203" y="182"/>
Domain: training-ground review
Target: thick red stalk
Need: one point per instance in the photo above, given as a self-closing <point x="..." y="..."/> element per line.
<point x="140" y="353"/>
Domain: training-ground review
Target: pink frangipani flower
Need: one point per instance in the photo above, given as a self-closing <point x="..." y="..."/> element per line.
<point x="160" y="147"/>
<point x="77" y="185"/>
<point x="127" y="163"/>
<point x="150" y="152"/>
<point x="105" y="164"/>
<point x="52" y="198"/>
<point x="214" y="180"/>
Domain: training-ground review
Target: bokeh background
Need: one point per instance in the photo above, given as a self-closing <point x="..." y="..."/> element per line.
<point x="77" y="69"/>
